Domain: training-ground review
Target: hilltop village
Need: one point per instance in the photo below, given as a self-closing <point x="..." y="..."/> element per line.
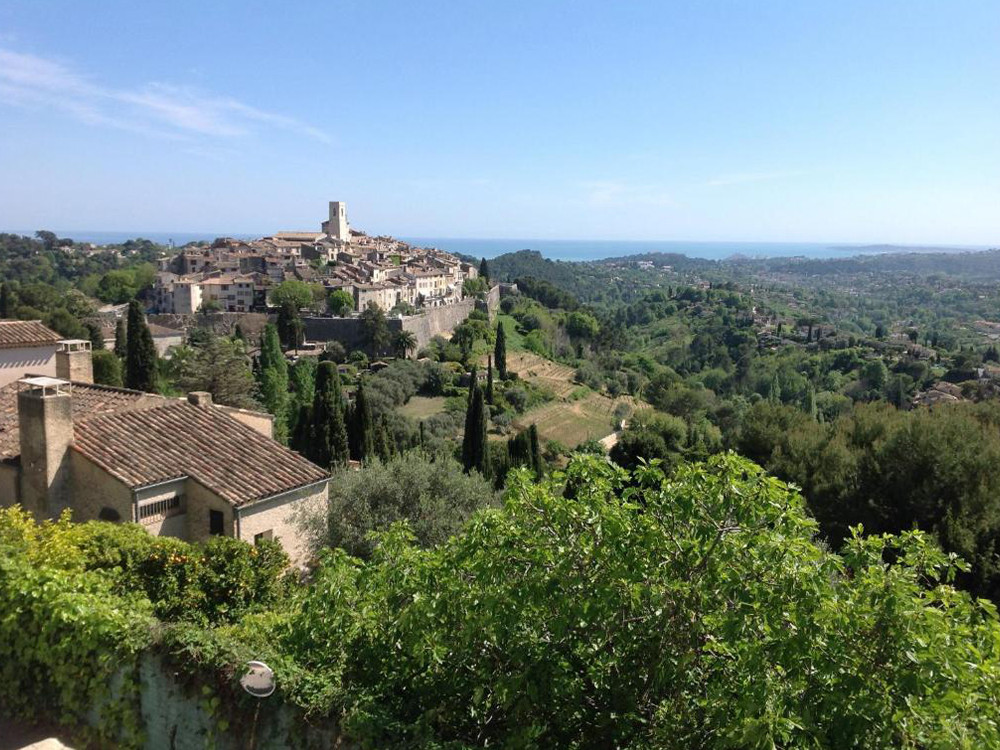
<point x="235" y="276"/>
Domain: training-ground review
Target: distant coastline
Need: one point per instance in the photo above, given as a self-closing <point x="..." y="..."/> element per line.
<point x="568" y="250"/>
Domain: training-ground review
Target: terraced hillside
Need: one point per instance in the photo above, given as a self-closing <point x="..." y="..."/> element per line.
<point x="552" y="376"/>
<point x="571" y="422"/>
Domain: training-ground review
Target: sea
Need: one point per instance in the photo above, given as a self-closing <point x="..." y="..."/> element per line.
<point x="566" y="249"/>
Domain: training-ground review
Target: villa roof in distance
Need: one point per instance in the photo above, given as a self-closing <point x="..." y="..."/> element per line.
<point x="18" y="334"/>
<point x="179" y="439"/>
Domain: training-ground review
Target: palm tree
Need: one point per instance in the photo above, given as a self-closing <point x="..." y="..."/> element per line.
<point x="404" y="342"/>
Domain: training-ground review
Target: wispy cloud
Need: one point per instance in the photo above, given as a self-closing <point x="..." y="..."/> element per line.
<point x="610" y="193"/>
<point x="157" y="109"/>
<point x="739" y="178"/>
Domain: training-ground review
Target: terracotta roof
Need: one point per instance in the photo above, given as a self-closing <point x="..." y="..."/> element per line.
<point x="177" y="439"/>
<point x="15" y="334"/>
<point x="88" y="400"/>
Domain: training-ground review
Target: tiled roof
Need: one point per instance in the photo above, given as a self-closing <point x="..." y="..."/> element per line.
<point x="15" y="334"/>
<point x="177" y="439"/>
<point x="88" y="400"/>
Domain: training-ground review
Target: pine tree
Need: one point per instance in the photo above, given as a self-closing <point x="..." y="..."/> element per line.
<point x="121" y="339"/>
<point x="500" y="352"/>
<point x="273" y="380"/>
<point x="489" y="380"/>
<point x="361" y="432"/>
<point x="6" y="301"/>
<point x="484" y="270"/>
<point x="327" y="445"/>
<point x="140" y="353"/>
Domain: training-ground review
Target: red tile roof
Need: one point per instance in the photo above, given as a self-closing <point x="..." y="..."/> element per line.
<point x="15" y="334"/>
<point x="142" y="438"/>
<point x="88" y="400"/>
<point x="178" y="439"/>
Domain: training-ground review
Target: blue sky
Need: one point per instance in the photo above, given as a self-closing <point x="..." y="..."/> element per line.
<point x="757" y="120"/>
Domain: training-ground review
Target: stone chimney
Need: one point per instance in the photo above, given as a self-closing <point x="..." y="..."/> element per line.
<point x="45" y="422"/>
<point x="74" y="361"/>
<point x="200" y="398"/>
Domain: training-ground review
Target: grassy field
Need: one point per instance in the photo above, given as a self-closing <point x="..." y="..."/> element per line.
<point x="421" y="407"/>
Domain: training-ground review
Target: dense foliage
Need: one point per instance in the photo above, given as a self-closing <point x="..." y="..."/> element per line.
<point x="600" y="608"/>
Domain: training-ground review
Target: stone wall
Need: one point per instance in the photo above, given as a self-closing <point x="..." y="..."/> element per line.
<point x="222" y="323"/>
<point x="283" y="517"/>
<point x="435" y="321"/>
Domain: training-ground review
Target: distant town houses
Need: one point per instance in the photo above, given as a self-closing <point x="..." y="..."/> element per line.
<point x="235" y="275"/>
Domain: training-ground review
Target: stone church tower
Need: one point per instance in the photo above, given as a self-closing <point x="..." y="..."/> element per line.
<point x="337" y="226"/>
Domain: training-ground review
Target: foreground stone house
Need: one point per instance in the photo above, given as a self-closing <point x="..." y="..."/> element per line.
<point x="179" y="467"/>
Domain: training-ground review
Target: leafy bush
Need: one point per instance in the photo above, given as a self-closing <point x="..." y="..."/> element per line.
<point x="215" y="582"/>
<point x="436" y="497"/>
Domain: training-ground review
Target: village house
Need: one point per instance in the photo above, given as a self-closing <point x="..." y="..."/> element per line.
<point x="186" y="468"/>
<point x="26" y="345"/>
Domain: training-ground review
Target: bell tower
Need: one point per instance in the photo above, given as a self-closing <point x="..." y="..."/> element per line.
<point x="337" y="226"/>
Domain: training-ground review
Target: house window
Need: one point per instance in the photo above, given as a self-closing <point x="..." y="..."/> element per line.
<point x="215" y="522"/>
<point x="258" y="538"/>
<point x="156" y="510"/>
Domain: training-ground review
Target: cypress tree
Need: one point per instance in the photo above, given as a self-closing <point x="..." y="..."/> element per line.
<point x="809" y="406"/>
<point x="95" y="336"/>
<point x="484" y="270"/>
<point x="537" y="462"/>
<point x="519" y="450"/>
<point x="238" y="334"/>
<point x="423" y="437"/>
<point x="6" y="302"/>
<point x="328" y="445"/>
<point x="121" y="339"/>
<point x="273" y="380"/>
<point x="140" y="353"/>
<point x="489" y="380"/>
<point x="500" y="352"/>
<point x="361" y="432"/>
<point x="383" y="440"/>
<point x="774" y="392"/>
<point x="301" y="432"/>
<point x="473" y="384"/>
<point x="475" y="449"/>
<point x="290" y="328"/>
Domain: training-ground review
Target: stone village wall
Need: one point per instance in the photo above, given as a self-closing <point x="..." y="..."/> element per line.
<point x="435" y="321"/>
